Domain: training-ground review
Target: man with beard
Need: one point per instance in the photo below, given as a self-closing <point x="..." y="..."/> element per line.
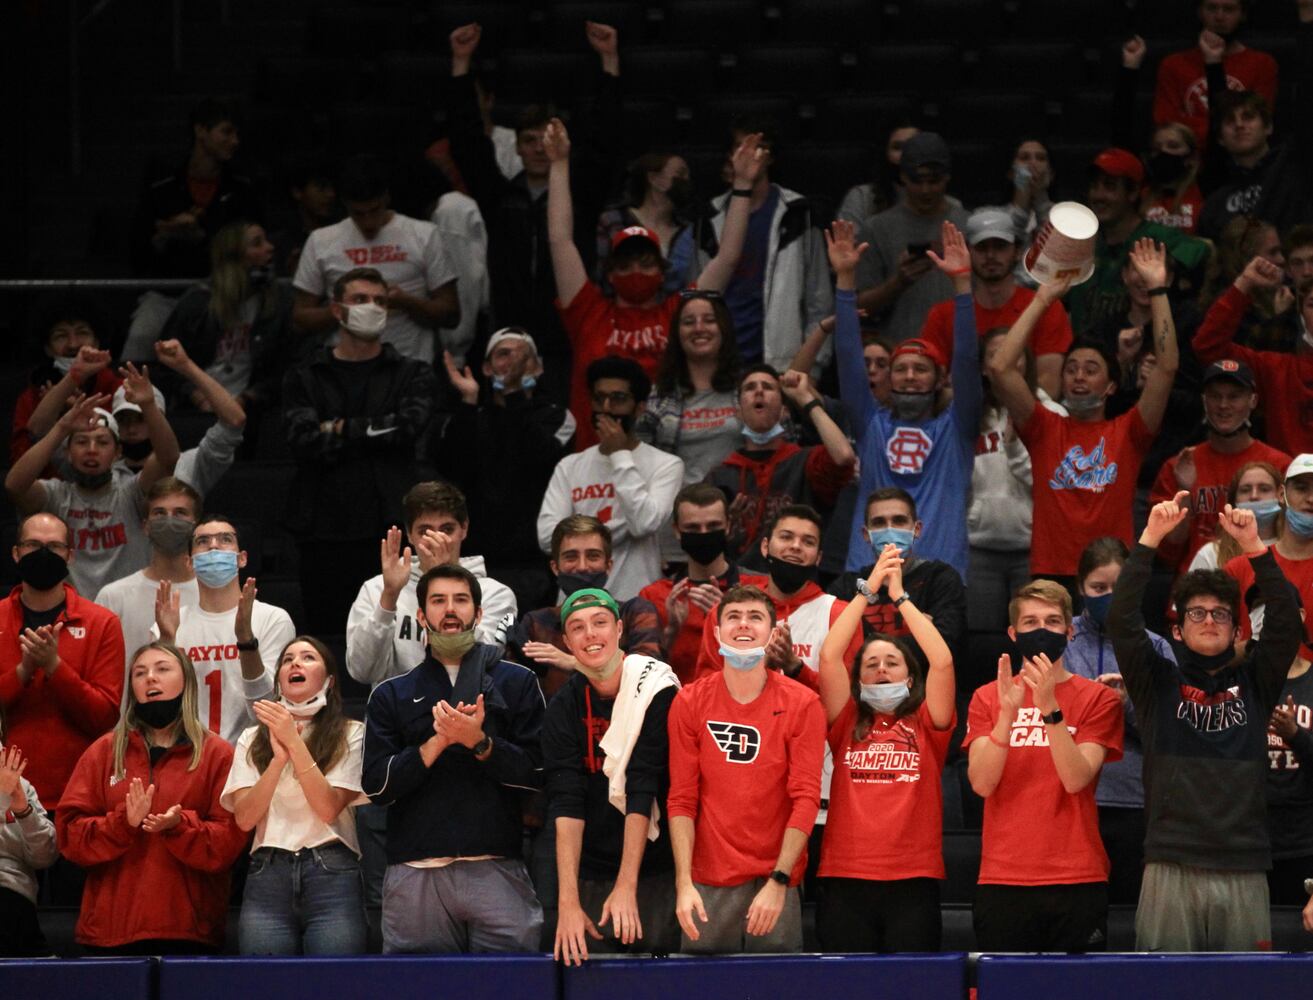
<point x="623" y="482"/>
<point x="102" y="507"/>
<point x="606" y="759"/>
<point x="449" y="748"/>
<point x="916" y="443"/>
<point x="580" y="559"/>
<point x="1205" y="470"/>
<point x="770" y="472"/>
<point x="1182" y="93"/>
<point x="992" y="241"/>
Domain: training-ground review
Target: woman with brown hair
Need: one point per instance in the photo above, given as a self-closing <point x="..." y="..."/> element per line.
<point x="295" y="780"/>
<point x="890" y="726"/>
<point x="141" y="814"/>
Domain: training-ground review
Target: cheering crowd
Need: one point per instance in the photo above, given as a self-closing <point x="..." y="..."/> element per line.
<point x="682" y="548"/>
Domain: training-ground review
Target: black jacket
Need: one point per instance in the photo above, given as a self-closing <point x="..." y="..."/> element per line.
<point x="578" y="791"/>
<point x="933" y="586"/>
<point x="1205" y="735"/>
<point x="350" y="485"/>
<point x="460" y="806"/>
<point x="164" y="195"/>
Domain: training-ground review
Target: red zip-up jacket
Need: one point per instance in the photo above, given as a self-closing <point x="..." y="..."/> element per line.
<point x="141" y="886"/>
<point x="1285" y="381"/>
<point x="55" y="718"/>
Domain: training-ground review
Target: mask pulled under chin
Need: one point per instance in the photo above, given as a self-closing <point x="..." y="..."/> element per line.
<point x="606" y="670"/>
<point x="738" y="658"/>
<point x="912" y="405"/>
<point x="451" y="645"/>
<point x="764" y="437"/>
<point x="63" y="364"/>
<point x="159" y="713"/>
<point x="93" y="481"/>
<point x="1082" y="404"/>
<point x="789" y="577"/>
<point x="307" y="709"/>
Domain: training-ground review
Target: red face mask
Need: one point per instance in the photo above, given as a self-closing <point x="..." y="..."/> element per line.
<point x="636" y="288"/>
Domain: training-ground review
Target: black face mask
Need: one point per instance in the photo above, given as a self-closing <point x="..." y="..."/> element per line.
<point x="42" y="569"/>
<point x="1040" y="640"/>
<point x="137" y="451"/>
<point x="680" y="193"/>
<point x="160" y="713"/>
<point x="789" y="577"/>
<point x="703" y="546"/>
<point x="1167" y="168"/>
<point x="626" y="421"/>
<point x="93" y="482"/>
<point x="570" y="582"/>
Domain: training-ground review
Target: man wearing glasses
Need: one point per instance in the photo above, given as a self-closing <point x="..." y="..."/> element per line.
<point x="627" y="485"/>
<point x="233" y="640"/>
<point x="1204" y="728"/>
<point x="61" y="660"/>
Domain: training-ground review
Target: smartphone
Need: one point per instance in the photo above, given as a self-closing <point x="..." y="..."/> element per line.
<point x="918" y="249"/>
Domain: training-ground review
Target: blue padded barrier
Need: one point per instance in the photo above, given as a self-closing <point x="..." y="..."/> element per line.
<point x="1097" y="977"/>
<point x="396" y="977"/>
<point x="871" y="977"/>
<point x="102" y="978"/>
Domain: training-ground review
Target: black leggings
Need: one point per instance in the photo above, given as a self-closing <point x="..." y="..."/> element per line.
<point x="21" y="934"/>
<point x="857" y="914"/>
<point x="1070" y="917"/>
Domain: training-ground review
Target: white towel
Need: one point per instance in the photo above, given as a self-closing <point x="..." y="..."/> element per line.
<point x="641" y="678"/>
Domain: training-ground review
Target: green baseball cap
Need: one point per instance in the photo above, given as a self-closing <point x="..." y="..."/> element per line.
<point x="589" y="597"/>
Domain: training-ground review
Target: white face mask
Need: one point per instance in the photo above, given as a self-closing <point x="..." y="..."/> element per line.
<point x="307" y="709"/>
<point x="63" y="364"/>
<point x="366" y="320"/>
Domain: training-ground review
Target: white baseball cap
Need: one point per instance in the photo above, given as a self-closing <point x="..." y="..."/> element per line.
<point x="120" y="401"/>
<point x="1301" y="466"/>
<point x="105" y="419"/>
<point x="509" y="333"/>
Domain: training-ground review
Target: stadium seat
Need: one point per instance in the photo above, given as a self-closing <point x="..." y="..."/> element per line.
<point x="845" y="24"/>
<point x="296" y="82"/>
<point x="504" y="24"/>
<point x="769" y="68"/>
<point x="565" y="22"/>
<point x="859" y="117"/>
<point x="975" y="115"/>
<point x="658" y="119"/>
<point x="713" y="117"/>
<point x="928" y="19"/>
<point x="728" y="24"/>
<point x="413" y="78"/>
<point x="667" y="71"/>
<point x="823" y="171"/>
<point x="1046" y="68"/>
<point x="283" y="592"/>
<point x="340" y="29"/>
<point x="921" y="70"/>
<point x="253" y="490"/>
<point x="537" y="74"/>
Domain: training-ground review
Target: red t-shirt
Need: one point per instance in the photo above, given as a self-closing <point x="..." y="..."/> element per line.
<point x="1182" y="214"/>
<point x="886" y="798"/>
<point x="1181" y="94"/>
<point x="1297" y="571"/>
<point x="745" y="774"/>
<point x="597" y="327"/>
<point x="1213" y="473"/>
<point x="1084" y="483"/>
<point x="1036" y="832"/>
<point x="1052" y="333"/>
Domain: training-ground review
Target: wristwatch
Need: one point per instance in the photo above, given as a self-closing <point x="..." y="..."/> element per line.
<point x="482" y="747"/>
<point x="250" y="646"/>
<point x="1054" y="719"/>
<point x="781" y="877"/>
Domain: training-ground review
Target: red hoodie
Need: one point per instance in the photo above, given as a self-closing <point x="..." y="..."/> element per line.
<point x="1285" y="381"/>
<point x="143" y="886"/>
<point x="55" y="718"/>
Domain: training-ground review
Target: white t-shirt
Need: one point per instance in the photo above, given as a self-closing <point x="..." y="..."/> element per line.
<point x="106" y="525"/>
<point x="133" y="600"/>
<point x="409" y="253"/>
<point x="290" y="823"/>
<point x="210" y="640"/>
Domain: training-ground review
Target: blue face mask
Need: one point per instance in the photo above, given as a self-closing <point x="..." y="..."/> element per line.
<point x="763" y="437"/>
<point x="527" y="382"/>
<point x="1097" y="606"/>
<point x="1265" y="512"/>
<point x="742" y="659"/>
<point x="890" y="536"/>
<point x="214" y="568"/>
<point x="885" y="698"/>
<point x="1299" y="522"/>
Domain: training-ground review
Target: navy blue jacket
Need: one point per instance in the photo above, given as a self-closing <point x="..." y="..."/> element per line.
<point x="459" y="807"/>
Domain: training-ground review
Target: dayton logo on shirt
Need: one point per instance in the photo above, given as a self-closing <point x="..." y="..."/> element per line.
<point x="1212" y="713"/>
<point x="739" y="742"/>
<point x="386" y="253"/>
<point x="1079" y="470"/>
<point x="888" y="757"/>
<point x="907" y="450"/>
<point x="1280" y="756"/>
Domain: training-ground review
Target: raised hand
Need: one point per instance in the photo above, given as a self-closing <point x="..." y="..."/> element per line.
<point x="138" y="802"/>
<point x="435" y="549"/>
<point x="1011" y="692"/>
<point x="12" y="766"/>
<point x="464" y="41"/>
<point x="168" y="610"/>
<point x="840" y="244"/>
<point x="1049" y="294"/>
<point x="1133" y="52"/>
<point x="171" y="353"/>
<point x="395" y="563"/>
<point x="463" y="382"/>
<point x="1212" y="46"/>
<point x="556" y="141"/>
<point x="1184" y="471"/>
<point x="892" y="562"/>
<point x="1282" y="723"/>
<point x="1241" y="525"/>
<point x="136" y="385"/>
<point x="89" y="362"/>
<point x="81" y="413"/>
<point x="602" y="38"/>
<point x="956" y="259"/>
<point x="797" y="388"/>
<point x="1259" y="273"/>
<point x="245" y="606"/>
<point x="1149" y="258"/>
<point x="1163" y="519"/>
<point x="748" y="161"/>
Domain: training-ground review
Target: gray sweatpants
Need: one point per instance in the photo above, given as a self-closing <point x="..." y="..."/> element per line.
<point x="468" y="906"/>
<point x="726" y="929"/>
<point x="1202" y="909"/>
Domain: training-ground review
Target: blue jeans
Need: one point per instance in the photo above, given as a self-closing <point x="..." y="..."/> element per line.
<point x="307" y="903"/>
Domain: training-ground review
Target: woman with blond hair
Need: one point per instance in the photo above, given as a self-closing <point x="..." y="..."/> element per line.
<point x="141" y="814"/>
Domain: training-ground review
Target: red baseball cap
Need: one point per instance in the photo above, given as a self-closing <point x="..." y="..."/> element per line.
<point x="1117" y="162"/>
<point x="636" y="232"/>
<point x="922" y="347"/>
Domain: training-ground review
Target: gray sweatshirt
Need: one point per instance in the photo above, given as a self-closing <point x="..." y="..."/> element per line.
<point x="25" y="844"/>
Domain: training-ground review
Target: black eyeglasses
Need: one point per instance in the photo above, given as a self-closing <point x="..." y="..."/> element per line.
<point x="1220" y="615"/>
